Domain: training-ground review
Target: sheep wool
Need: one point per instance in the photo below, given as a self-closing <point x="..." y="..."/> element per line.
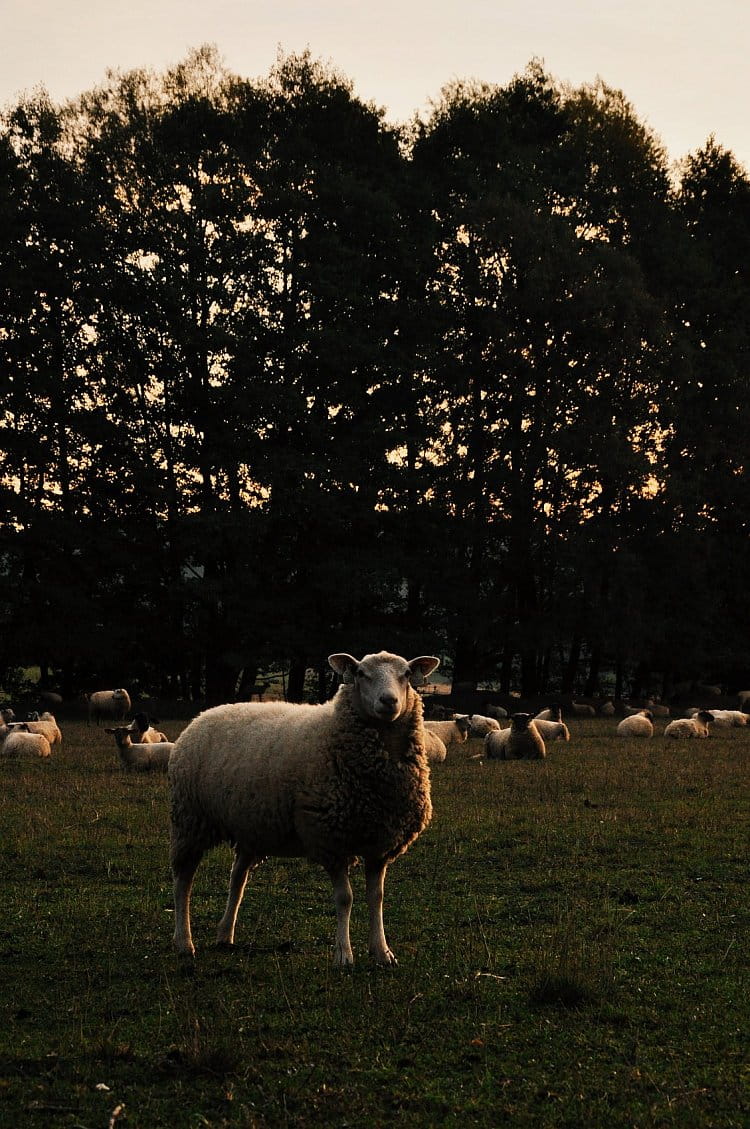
<point x="435" y="750"/>
<point x="636" y="725"/>
<point x="326" y="782"/>
<point x="522" y="741"/>
<point x="453" y="732"/>
<point x="688" y="727"/>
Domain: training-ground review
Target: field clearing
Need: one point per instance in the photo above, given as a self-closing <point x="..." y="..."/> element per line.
<point x="572" y="939"/>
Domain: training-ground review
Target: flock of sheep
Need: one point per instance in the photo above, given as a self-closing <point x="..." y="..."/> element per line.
<point x="332" y="783"/>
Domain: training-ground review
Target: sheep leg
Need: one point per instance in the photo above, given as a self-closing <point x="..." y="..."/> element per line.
<point x="237" y="881"/>
<point x="343" y="957"/>
<point x="184" y="865"/>
<point x="374" y="882"/>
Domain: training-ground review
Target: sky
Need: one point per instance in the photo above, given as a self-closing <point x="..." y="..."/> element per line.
<point x="682" y="64"/>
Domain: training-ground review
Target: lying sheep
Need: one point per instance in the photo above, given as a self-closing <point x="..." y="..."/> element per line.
<point x="46" y="725"/>
<point x="141" y="728"/>
<point x="16" y="740"/>
<point x="522" y="741"/>
<point x="551" y="713"/>
<point x="453" y="732"/>
<point x="639" y="724"/>
<point x="149" y="756"/>
<point x="326" y="782"/>
<point x="697" y="726"/>
<point x="480" y="726"/>
<point x="582" y="709"/>
<point x="435" y="750"/>
<point x="108" y="705"/>
<point x="729" y="719"/>
<point x="552" y="730"/>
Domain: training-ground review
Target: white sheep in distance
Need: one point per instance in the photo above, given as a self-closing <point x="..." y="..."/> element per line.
<point x="685" y="727"/>
<point x="729" y="719"/>
<point x="15" y="740"/>
<point x="639" y="724"/>
<point x="108" y="705"/>
<point x="480" y="726"/>
<point x="522" y="741"/>
<point x="552" y="730"/>
<point x="144" y="732"/>
<point x="435" y="750"/>
<point x="148" y="756"/>
<point x="453" y="732"/>
<point x="328" y="782"/>
<point x="551" y="713"/>
<point x="48" y="727"/>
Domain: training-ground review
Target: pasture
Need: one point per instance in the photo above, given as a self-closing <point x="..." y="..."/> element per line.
<point x="572" y="943"/>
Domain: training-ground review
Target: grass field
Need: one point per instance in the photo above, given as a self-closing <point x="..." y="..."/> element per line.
<point x="572" y="939"/>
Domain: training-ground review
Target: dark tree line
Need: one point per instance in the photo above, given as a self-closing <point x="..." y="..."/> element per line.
<point x="281" y="379"/>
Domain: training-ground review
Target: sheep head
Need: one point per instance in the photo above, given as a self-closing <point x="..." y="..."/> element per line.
<point x="380" y="683"/>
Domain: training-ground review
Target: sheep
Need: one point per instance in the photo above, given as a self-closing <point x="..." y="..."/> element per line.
<point x="728" y="719"/>
<point x="435" y="750"/>
<point x="145" y="732"/>
<point x="498" y="712"/>
<point x="744" y="699"/>
<point x="552" y="713"/>
<point x="581" y="709"/>
<point x="106" y="705"/>
<point x="45" y="724"/>
<point x="522" y="741"/>
<point x="607" y="709"/>
<point x="552" y="730"/>
<point x="7" y="715"/>
<point x="696" y="726"/>
<point x="149" y="756"/>
<point x="16" y="740"/>
<point x="453" y="732"/>
<point x="480" y="726"/>
<point x="639" y="724"/>
<point x="326" y="782"/>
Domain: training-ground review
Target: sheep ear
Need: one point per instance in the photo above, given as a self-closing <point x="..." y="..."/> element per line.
<point x="344" y="665"/>
<point x="421" y="668"/>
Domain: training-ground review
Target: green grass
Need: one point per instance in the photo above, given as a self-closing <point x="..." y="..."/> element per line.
<point x="572" y="943"/>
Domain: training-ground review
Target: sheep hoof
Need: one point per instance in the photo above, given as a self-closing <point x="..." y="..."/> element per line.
<point x="385" y="960"/>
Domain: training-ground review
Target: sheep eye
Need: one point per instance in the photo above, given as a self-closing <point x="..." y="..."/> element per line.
<point x="361" y="674"/>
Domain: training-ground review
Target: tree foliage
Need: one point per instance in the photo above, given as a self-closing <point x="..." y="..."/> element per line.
<point x="280" y="378"/>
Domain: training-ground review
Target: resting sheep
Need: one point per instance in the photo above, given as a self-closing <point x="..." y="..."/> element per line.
<point x="453" y="732"/>
<point x="16" y="740"/>
<point x="639" y="724"/>
<point x="149" y="756"/>
<point x="522" y="741"/>
<point x="729" y="719"/>
<point x="435" y="750"/>
<point x="697" y="726"/>
<point x="46" y="725"/>
<point x="480" y="726"/>
<point x="552" y="730"/>
<point x="326" y="782"/>
<point x="141" y="728"/>
<point x="108" y="705"/>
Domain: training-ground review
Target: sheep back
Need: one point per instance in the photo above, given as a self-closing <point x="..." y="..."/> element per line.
<point x="299" y="780"/>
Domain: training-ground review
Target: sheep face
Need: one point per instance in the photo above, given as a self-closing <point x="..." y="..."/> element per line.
<point x="381" y="682"/>
<point x="520" y="721"/>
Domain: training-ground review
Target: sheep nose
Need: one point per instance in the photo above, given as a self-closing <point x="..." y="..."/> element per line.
<point x="390" y="701"/>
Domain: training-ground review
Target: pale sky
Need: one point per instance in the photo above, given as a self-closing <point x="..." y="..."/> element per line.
<point x="681" y="63"/>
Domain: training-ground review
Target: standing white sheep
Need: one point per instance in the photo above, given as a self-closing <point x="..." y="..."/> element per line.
<point x="108" y="705"/>
<point x="639" y="724"/>
<point x="328" y="783"/>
